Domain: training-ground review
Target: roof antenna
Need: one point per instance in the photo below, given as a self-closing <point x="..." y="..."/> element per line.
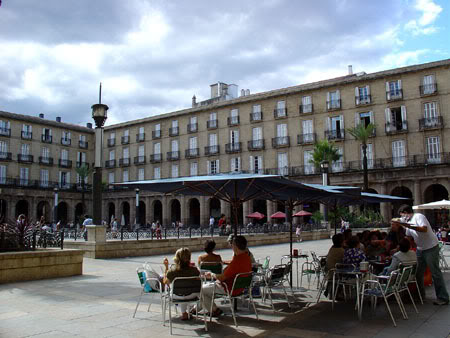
<point x="100" y="94"/>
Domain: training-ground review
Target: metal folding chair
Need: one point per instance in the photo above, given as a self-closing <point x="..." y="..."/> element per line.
<point x="214" y="267"/>
<point x="147" y="289"/>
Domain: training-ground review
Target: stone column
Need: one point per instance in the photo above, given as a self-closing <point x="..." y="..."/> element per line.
<point x="297" y="208"/>
<point x="385" y="208"/>
<point x="165" y="212"/>
<point x="96" y="233"/>
<point x="150" y="211"/>
<point x="245" y="211"/>
<point x="417" y="193"/>
<point x="183" y="213"/>
<point x="225" y="209"/>
<point x="204" y="212"/>
<point x="132" y="202"/>
<point x="270" y="211"/>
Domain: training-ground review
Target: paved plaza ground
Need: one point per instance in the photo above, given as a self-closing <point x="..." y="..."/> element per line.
<point x="100" y="303"/>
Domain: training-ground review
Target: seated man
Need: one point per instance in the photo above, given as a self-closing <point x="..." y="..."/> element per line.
<point x="405" y="256"/>
<point x="239" y="264"/>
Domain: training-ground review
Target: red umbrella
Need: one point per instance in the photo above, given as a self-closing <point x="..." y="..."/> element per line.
<point x="256" y="215"/>
<point x="279" y="215"/>
<point x="302" y="213"/>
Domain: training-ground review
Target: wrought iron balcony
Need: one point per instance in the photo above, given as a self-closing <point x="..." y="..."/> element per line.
<point x="125" y="139"/>
<point x="46" y="160"/>
<point x="231" y="148"/>
<point x="306" y="138"/>
<point x="26" y="135"/>
<point x="280" y="113"/>
<point x="396" y="127"/>
<point x="333" y="104"/>
<point x="393" y="95"/>
<point x="65" y="163"/>
<point x="212" y="124"/>
<point x="431" y="123"/>
<point x="173" y="155"/>
<point x="363" y="99"/>
<point x="46" y="138"/>
<point x="192" y="127"/>
<point x="66" y="141"/>
<point x="212" y="150"/>
<point x="139" y="160"/>
<point x="428" y="89"/>
<point x="155" y="158"/>
<point x="256" y="117"/>
<point x="335" y="134"/>
<point x="111" y="142"/>
<point x="140" y="137"/>
<point x="124" y="162"/>
<point x="233" y="120"/>
<point x="110" y="164"/>
<point x="156" y="134"/>
<point x="5" y="132"/>
<point x="306" y="108"/>
<point x="25" y="158"/>
<point x="256" y="145"/>
<point x="174" y="131"/>
<point x="279" y="142"/>
<point x="82" y="164"/>
<point x="192" y="153"/>
<point x="83" y="144"/>
<point x="5" y="156"/>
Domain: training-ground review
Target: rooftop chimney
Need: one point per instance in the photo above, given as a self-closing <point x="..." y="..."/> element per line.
<point x="247" y="92"/>
<point x="350" y="70"/>
<point x="194" y="101"/>
<point x="89" y="125"/>
<point x="58" y="119"/>
<point x="41" y="116"/>
<point x="242" y="92"/>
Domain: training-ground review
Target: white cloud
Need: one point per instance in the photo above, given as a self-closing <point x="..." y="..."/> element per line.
<point x="424" y="25"/>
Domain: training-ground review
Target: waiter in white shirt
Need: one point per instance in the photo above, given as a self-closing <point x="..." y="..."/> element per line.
<point x="427" y="252"/>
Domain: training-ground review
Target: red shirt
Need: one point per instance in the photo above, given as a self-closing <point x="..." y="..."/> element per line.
<point x="221" y="221"/>
<point x="239" y="264"/>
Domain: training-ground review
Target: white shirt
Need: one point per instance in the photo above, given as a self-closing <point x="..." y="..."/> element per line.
<point x="424" y="240"/>
<point x="87" y="221"/>
<point x="402" y="257"/>
<point x="211" y="221"/>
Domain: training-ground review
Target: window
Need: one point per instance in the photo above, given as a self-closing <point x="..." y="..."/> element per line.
<point x="82" y="138"/>
<point x="112" y="136"/>
<point x="257" y="134"/>
<point x="141" y="130"/>
<point x="256" y="164"/>
<point x="157" y="173"/>
<point x="192" y="127"/>
<point x="141" y="174"/>
<point x="394" y="90"/>
<point x="46" y="135"/>
<point x="5" y="128"/>
<point x="234" y="136"/>
<point x="282" y="164"/>
<point x="363" y="118"/>
<point x="430" y="110"/>
<point x="212" y="116"/>
<point x="396" y="119"/>
<point x="337" y="166"/>
<point x="126" y="132"/>
<point x="234" y="117"/>
<point x="280" y="111"/>
<point x="24" y="176"/>
<point x="282" y="130"/>
<point x="398" y="153"/>
<point x="125" y="176"/>
<point x="369" y="154"/>
<point x="45" y="152"/>
<point x="307" y="162"/>
<point x="213" y="167"/>
<point x="212" y="139"/>
<point x="27" y="131"/>
<point x="3" y="150"/>
<point x="64" y="179"/>
<point x="256" y="113"/>
<point x="235" y="164"/>
<point x="126" y="153"/>
<point x="335" y="126"/>
<point x="193" y="169"/>
<point x="141" y="151"/>
<point x="174" y="145"/>
<point x="306" y="106"/>
<point x="66" y="135"/>
<point x="112" y="155"/>
<point x="333" y="100"/>
<point x="308" y="131"/>
<point x="428" y="85"/>
<point x="81" y="158"/>
<point x="25" y="149"/>
<point x="362" y="95"/>
<point x="111" y="177"/>
<point x="44" y="178"/>
<point x="80" y="182"/>
<point x="112" y="139"/>
<point x="157" y="132"/>
<point x="193" y="142"/>
<point x="212" y="123"/>
<point x="64" y="154"/>
<point x="433" y="149"/>
<point x="157" y="148"/>
<point x="175" y="124"/>
<point x="2" y="174"/>
<point x="174" y="170"/>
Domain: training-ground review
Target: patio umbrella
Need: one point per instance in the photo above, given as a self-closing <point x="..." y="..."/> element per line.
<point x="256" y="215"/>
<point x="444" y="204"/>
<point x="302" y="213"/>
<point x="278" y="215"/>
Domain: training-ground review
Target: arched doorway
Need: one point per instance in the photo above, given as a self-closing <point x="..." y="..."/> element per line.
<point x="436" y="192"/>
<point x="43" y="209"/>
<point x="112" y="212"/>
<point x="78" y="219"/>
<point x="142" y="213"/>
<point x="3" y="210"/>
<point x="158" y="211"/>
<point x="62" y="213"/>
<point x="260" y="206"/>
<point x="175" y="210"/>
<point x="214" y="208"/>
<point x="194" y="212"/>
<point x="400" y="192"/>
<point x="22" y="208"/>
<point x="125" y="218"/>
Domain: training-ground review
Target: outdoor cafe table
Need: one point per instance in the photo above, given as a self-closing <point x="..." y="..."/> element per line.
<point x="296" y="257"/>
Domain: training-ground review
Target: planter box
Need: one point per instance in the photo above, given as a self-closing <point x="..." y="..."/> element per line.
<point x="40" y="264"/>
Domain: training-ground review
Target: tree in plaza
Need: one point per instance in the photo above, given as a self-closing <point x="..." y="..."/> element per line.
<point x="83" y="173"/>
<point x="362" y="133"/>
<point x="325" y="151"/>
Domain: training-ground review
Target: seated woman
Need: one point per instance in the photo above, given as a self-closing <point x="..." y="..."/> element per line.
<point x="405" y="255"/>
<point x="209" y="256"/>
<point x="376" y="246"/>
<point x="336" y="252"/>
<point x="182" y="268"/>
<point x="353" y="254"/>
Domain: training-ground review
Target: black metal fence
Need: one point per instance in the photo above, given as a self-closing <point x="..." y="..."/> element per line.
<point x="32" y="240"/>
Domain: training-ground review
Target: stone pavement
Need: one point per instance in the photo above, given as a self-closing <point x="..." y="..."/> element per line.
<point x="101" y="303"/>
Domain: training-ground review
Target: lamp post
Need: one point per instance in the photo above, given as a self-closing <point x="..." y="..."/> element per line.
<point x="324" y="168"/>
<point x="137" y="208"/>
<point x="55" y="209"/>
<point x="99" y="114"/>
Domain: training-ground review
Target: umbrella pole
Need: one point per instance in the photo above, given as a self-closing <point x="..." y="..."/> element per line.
<point x="236" y="218"/>
<point x="288" y="211"/>
<point x="335" y="217"/>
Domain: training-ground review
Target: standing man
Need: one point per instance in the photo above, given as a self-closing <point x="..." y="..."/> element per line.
<point x="221" y="224"/>
<point x="211" y="225"/>
<point x="419" y="228"/>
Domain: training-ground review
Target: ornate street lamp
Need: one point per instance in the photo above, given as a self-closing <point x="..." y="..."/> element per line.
<point x="55" y="209"/>
<point x="324" y="167"/>
<point x="138" y="221"/>
<point x="99" y="114"/>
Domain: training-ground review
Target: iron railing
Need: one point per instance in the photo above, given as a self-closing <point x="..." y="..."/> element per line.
<point x="192" y="127"/>
<point x="256" y="145"/>
<point x="279" y="113"/>
<point x="212" y="124"/>
<point x="174" y="131"/>
<point x="111" y="142"/>
<point x="192" y="153"/>
<point x="156" y="134"/>
<point x="212" y="150"/>
<point x="428" y="89"/>
<point x="306" y="138"/>
<point x="306" y="108"/>
<point x="139" y="160"/>
<point x="282" y="141"/>
<point x="431" y="123"/>
<point x="46" y="138"/>
<point x="125" y="139"/>
<point x="231" y="148"/>
<point x="155" y="158"/>
<point x="140" y="137"/>
<point x="256" y="117"/>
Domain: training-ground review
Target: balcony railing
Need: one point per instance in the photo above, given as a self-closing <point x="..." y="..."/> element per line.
<point x="156" y="134"/>
<point x="212" y="150"/>
<point x="279" y="142"/>
<point x="192" y="153"/>
<point x="306" y="108"/>
<point x="428" y="89"/>
<point x="392" y="95"/>
<point x="110" y="164"/>
<point x="26" y="135"/>
<point x="233" y="120"/>
<point x="5" y="156"/>
<point x="363" y="99"/>
<point x="66" y="141"/>
<point x="333" y="104"/>
<point x="140" y="137"/>
<point x="174" y="131"/>
<point x="173" y="155"/>
<point x="79" y="164"/>
<point x="306" y="138"/>
<point x="5" y="132"/>
<point x="212" y="124"/>
<point x="65" y="163"/>
<point x="231" y="148"/>
<point x="155" y="158"/>
<point x="279" y="113"/>
<point x="111" y="142"/>
<point x="256" y="117"/>
<point x="192" y="127"/>
<point x="124" y="162"/>
<point x="139" y="160"/>
<point x="83" y="144"/>
<point x="25" y="158"/>
<point x="335" y="134"/>
<point x="431" y="123"/>
<point x="46" y="138"/>
<point x="256" y="145"/>
<point x="45" y="160"/>
<point x="125" y="139"/>
<point x="396" y="127"/>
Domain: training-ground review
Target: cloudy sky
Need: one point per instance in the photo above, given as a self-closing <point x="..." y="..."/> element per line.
<point x="153" y="56"/>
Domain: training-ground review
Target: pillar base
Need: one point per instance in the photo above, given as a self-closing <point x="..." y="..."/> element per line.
<point x="96" y="233"/>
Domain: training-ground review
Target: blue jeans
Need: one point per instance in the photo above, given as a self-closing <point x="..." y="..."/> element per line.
<point x="430" y="258"/>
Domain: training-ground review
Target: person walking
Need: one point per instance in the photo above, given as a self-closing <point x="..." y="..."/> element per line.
<point x="419" y="228"/>
<point x="211" y="225"/>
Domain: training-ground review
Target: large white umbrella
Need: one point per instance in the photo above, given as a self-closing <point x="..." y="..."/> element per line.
<point x="444" y="204"/>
